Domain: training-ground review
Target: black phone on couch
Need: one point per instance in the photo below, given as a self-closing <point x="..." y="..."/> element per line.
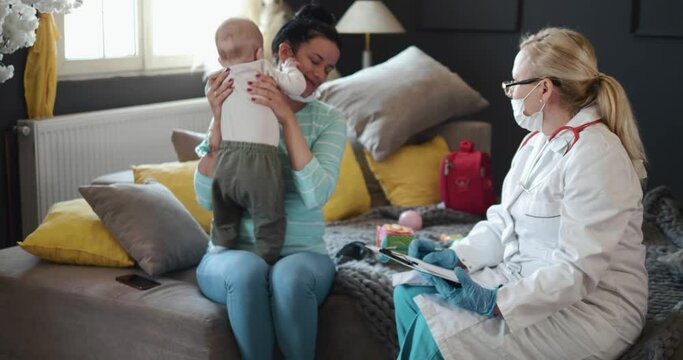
<point x="137" y="281"/>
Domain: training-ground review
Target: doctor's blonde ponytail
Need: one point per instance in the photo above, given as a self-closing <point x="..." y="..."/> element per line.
<point x="617" y="114"/>
<point x="569" y="57"/>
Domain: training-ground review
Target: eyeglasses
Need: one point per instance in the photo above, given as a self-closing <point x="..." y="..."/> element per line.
<point x="509" y="86"/>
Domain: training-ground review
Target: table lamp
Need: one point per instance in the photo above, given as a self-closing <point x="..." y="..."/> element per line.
<point x="368" y="17"/>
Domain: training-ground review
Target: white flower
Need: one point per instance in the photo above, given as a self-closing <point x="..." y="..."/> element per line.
<point x="6" y="72"/>
<point x="18" y="24"/>
<point x="19" y="28"/>
<point x="4" y="10"/>
<point x="60" y="6"/>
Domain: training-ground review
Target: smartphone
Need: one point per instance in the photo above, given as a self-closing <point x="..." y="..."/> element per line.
<point x="137" y="281"/>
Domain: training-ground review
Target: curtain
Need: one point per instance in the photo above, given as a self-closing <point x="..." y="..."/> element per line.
<point x="40" y="75"/>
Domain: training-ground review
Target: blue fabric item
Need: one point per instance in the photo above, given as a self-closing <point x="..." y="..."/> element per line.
<point x="470" y="295"/>
<point x="266" y="303"/>
<point x="445" y="258"/>
<point x="202" y="190"/>
<point x="414" y="337"/>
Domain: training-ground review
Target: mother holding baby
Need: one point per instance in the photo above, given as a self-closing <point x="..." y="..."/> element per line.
<point x="268" y="303"/>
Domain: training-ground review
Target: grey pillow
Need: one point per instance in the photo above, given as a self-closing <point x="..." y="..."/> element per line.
<point x="377" y="196"/>
<point x="388" y="103"/>
<point x="150" y="223"/>
<point x="184" y="142"/>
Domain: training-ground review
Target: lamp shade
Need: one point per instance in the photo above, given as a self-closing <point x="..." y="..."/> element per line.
<point x="369" y="17"/>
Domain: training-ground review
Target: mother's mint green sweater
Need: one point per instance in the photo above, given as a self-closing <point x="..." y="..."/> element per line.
<point x="306" y="190"/>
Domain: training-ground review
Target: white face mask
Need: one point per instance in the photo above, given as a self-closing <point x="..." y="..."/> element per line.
<point x="534" y="122"/>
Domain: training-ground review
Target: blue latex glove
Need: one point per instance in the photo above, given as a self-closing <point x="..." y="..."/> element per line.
<point x="445" y="258"/>
<point x="419" y="248"/>
<point x="470" y="295"/>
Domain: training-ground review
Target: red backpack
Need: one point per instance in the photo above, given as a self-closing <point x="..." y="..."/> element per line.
<point x="465" y="180"/>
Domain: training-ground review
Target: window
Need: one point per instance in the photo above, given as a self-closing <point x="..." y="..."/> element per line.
<point x="139" y="36"/>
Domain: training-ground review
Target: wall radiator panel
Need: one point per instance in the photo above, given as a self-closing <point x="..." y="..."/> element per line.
<point x="60" y="154"/>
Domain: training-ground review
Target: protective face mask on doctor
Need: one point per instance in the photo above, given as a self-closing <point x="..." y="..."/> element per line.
<point x="533" y="122"/>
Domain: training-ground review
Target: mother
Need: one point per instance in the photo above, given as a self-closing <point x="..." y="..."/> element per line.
<point x="281" y="302"/>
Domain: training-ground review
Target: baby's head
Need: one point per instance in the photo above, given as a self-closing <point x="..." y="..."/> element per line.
<point x="238" y="41"/>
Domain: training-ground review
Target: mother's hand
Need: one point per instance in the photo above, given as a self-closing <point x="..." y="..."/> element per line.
<point x="218" y="90"/>
<point x="265" y="92"/>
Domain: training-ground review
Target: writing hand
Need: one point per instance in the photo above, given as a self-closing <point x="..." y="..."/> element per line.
<point x="470" y="295"/>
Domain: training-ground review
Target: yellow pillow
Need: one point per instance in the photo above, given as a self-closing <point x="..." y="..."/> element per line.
<point x="73" y="234"/>
<point x="410" y="176"/>
<point x="350" y="196"/>
<point x="179" y="178"/>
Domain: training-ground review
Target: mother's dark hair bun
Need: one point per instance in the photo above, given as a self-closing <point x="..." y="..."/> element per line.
<point x="317" y="13"/>
<point x="310" y="21"/>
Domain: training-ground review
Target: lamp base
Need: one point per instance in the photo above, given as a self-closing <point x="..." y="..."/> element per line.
<point x="367" y="58"/>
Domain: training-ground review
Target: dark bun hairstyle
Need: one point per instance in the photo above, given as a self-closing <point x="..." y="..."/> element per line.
<point x="310" y="21"/>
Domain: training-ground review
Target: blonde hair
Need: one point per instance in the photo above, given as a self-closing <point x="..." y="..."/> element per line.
<point x="568" y="57"/>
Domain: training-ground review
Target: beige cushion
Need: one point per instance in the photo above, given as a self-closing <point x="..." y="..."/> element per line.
<point x="387" y="103"/>
<point x="150" y="223"/>
<point x="478" y="132"/>
<point x="125" y="176"/>
<point x="184" y="142"/>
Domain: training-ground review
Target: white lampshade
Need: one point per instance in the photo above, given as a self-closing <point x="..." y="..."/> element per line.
<point x="369" y="17"/>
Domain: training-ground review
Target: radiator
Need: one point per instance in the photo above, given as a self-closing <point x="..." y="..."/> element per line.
<point x="58" y="155"/>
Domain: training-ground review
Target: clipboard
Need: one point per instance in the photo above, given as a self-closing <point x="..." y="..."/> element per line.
<point x="417" y="264"/>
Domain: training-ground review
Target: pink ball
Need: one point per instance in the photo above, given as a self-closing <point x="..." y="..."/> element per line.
<point x="411" y="219"/>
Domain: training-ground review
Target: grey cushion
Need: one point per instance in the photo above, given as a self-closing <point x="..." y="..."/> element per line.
<point x="387" y="103"/>
<point x="150" y="223"/>
<point x="76" y="312"/>
<point x="377" y="196"/>
<point x="56" y="311"/>
<point x="184" y="142"/>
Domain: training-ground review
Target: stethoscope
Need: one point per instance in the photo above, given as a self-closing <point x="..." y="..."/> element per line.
<point x="526" y="177"/>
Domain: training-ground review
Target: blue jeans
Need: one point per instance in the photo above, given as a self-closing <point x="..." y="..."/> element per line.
<point x="265" y="303"/>
<point x="414" y="337"/>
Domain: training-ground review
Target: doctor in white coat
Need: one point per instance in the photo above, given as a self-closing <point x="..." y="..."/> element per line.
<point x="557" y="270"/>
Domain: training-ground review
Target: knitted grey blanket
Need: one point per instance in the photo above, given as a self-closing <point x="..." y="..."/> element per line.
<point x="369" y="282"/>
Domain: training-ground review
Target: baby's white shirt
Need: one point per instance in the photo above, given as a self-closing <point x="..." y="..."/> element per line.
<point x="243" y="120"/>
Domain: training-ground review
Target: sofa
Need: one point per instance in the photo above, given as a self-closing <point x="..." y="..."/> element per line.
<point x="57" y="311"/>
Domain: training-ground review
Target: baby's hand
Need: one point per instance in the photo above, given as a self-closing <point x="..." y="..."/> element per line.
<point x="216" y="137"/>
<point x="214" y="142"/>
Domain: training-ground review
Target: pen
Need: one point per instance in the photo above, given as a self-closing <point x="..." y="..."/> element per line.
<point x="400" y="248"/>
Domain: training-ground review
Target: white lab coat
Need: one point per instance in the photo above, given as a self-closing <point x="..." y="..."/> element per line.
<point x="566" y="246"/>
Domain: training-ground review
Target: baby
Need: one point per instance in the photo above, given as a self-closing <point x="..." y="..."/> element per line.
<point x="247" y="173"/>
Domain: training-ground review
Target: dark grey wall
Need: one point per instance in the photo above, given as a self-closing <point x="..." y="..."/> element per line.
<point x="12" y="107"/>
<point x="648" y="67"/>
